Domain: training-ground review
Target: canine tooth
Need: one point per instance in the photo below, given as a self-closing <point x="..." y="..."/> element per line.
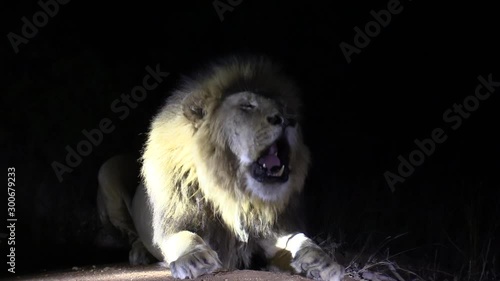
<point x="264" y="165"/>
<point x="280" y="172"/>
<point x="276" y="153"/>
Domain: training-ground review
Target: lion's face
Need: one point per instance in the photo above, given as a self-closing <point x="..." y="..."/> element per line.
<point x="262" y="135"/>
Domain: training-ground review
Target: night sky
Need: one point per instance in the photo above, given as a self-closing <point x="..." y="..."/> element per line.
<point x="400" y="112"/>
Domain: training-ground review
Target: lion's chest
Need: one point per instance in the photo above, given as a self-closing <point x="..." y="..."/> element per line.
<point x="233" y="253"/>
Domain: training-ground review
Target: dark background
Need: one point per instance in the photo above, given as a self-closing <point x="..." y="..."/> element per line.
<point x="359" y="117"/>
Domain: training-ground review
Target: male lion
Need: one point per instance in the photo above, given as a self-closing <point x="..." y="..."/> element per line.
<point x="222" y="170"/>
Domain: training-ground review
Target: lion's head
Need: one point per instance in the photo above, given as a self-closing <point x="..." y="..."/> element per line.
<point x="234" y="132"/>
<point x="262" y="137"/>
<point x="247" y="115"/>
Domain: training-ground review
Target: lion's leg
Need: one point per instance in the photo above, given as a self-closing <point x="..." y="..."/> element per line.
<point x="189" y="256"/>
<point x="143" y="250"/>
<point x="118" y="179"/>
<point x="305" y="257"/>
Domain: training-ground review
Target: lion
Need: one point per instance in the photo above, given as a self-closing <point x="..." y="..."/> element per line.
<point x="222" y="171"/>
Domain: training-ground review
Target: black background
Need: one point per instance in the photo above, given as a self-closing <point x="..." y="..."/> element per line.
<point x="359" y="116"/>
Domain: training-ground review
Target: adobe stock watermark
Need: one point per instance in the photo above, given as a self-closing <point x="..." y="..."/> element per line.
<point x="225" y="6"/>
<point x="453" y="117"/>
<point x="121" y="107"/>
<point x="372" y="29"/>
<point x="30" y="28"/>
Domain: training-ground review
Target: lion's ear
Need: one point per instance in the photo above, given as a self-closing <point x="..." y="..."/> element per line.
<point x="194" y="107"/>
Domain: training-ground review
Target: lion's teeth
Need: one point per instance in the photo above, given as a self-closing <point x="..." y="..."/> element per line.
<point x="264" y="165"/>
<point x="280" y="172"/>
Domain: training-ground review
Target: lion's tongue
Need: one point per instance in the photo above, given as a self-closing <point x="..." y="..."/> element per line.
<point x="271" y="160"/>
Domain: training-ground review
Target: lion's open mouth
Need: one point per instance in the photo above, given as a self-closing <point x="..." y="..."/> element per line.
<point x="272" y="165"/>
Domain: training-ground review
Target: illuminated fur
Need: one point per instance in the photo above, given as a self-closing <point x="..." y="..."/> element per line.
<point x="215" y="204"/>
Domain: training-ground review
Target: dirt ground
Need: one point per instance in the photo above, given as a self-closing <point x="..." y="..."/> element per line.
<point x="153" y="273"/>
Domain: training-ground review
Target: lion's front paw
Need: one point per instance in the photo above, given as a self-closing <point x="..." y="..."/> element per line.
<point x="199" y="261"/>
<point x="317" y="265"/>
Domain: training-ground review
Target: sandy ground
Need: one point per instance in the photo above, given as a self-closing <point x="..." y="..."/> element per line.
<point x="152" y="273"/>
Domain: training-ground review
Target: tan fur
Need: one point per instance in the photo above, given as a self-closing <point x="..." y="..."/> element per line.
<point x="210" y="208"/>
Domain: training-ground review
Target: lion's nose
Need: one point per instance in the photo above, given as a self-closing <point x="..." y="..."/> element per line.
<point x="275" y="119"/>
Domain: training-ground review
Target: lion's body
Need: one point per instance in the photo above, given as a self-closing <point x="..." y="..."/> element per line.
<point x="209" y="200"/>
<point x="232" y="252"/>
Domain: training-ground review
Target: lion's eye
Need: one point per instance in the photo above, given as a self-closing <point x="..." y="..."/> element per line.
<point x="247" y="106"/>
